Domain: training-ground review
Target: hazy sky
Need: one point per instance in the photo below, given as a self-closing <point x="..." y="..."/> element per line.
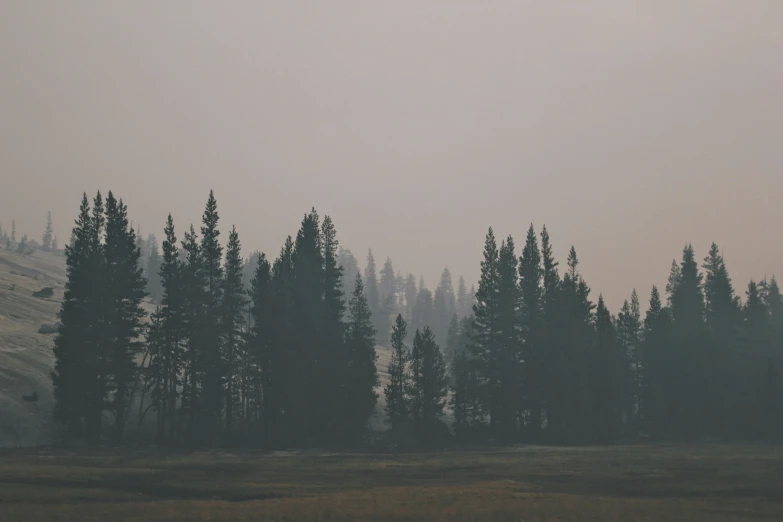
<point x="628" y="127"/>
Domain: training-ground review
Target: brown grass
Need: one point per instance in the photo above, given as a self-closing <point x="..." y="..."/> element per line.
<point x="715" y="483"/>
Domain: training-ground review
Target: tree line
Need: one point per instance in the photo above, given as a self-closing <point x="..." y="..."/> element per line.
<point x="272" y="353"/>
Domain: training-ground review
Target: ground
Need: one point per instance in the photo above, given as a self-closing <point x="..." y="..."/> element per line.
<point x="632" y="483"/>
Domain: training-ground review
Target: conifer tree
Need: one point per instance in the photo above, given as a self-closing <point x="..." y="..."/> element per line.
<point x="423" y="314"/>
<point x="411" y="293"/>
<point x="167" y="358"/>
<point x="69" y="374"/>
<point x="362" y="374"/>
<point x="428" y="385"/>
<point x="48" y="235"/>
<point x="606" y="376"/>
<point x="54" y="244"/>
<point x="152" y="269"/>
<point x="194" y="325"/>
<point x="13" y="232"/>
<point x="629" y="329"/>
<point x="387" y="288"/>
<point x="551" y="391"/>
<point x="487" y="329"/>
<point x="125" y="290"/>
<point x="452" y="347"/>
<point x="380" y="318"/>
<point x="532" y="324"/>
<point x="266" y="360"/>
<point x="308" y="319"/>
<point x="213" y="369"/>
<point x="232" y="324"/>
<point x="466" y="399"/>
<point x="332" y="360"/>
<point x="463" y="300"/>
<point x="444" y="304"/>
<point x="395" y="390"/>
<point x="350" y="267"/>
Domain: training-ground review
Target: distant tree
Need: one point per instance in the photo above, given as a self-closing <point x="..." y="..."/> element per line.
<point x="428" y="386"/>
<point x="411" y="293"/>
<point x="232" y="322"/>
<point x="388" y="288"/>
<point x="54" y="244"/>
<point x="377" y="306"/>
<point x="13" y="231"/>
<point x="350" y="266"/>
<point x="423" y="313"/>
<point x="444" y="305"/>
<point x="21" y="248"/>
<point x="362" y="374"/>
<point x="452" y="347"/>
<point x="152" y="269"/>
<point x="463" y="299"/>
<point x="48" y="234"/>
<point x="395" y="390"/>
<point x="249" y="266"/>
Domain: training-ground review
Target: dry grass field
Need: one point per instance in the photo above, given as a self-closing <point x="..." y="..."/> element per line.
<point x="633" y="483"/>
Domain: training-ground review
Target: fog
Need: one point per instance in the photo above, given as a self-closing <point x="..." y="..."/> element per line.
<point x="628" y="128"/>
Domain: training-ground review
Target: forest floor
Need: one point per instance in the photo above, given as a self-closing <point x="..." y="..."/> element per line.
<point x="621" y="483"/>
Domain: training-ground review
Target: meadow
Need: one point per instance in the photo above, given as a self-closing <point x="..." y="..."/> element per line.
<point x="621" y="483"/>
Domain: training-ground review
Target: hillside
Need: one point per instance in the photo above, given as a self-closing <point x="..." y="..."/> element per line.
<point x="26" y="355"/>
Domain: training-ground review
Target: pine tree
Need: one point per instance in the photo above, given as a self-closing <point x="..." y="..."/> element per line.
<point x="452" y="347"/>
<point x="308" y="319"/>
<point x="444" y="305"/>
<point x="629" y="329"/>
<point x="487" y="329"/>
<point x="194" y="311"/>
<point x="213" y="369"/>
<point x="54" y="244"/>
<point x="13" y="232"/>
<point x="167" y="360"/>
<point x="152" y="269"/>
<point x="332" y="360"/>
<point x="350" y="267"/>
<point x="232" y="324"/>
<point x="124" y="314"/>
<point x="576" y="338"/>
<point x="395" y="390"/>
<point x="423" y="314"/>
<point x="532" y="323"/>
<point x="656" y="361"/>
<point x="267" y="361"/>
<point x="379" y="314"/>
<point x="466" y="397"/>
<point x="362" y="374"/>
<point x="606" y="377"/>
<point x="387" y="288"/>
<point x="21" y="248"/>
<point x="411" y="293"/>
<point x="284" y="381"/>
<point x="69" y="374"/>
<point x="551" y="388"/>
<point x="463" y="300"/>
<point x="428" y="385"/>
<point x="46" y="241"/>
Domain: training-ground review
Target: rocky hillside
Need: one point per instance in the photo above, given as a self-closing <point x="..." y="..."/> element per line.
<point x="26" y="353"/>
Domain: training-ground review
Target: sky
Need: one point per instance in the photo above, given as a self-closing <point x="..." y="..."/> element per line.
<point x="628" y="127"/>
